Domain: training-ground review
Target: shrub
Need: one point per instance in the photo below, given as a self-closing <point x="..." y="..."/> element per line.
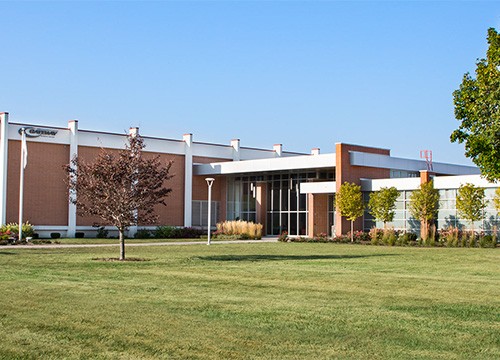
<point x="102" y="233"/>
<point x="240" y="227"/>
<point x="407" y="238"/>
<point x="389" y="237"/>
<point x="472" y="240"/>
<point x="359" y="236"/>
<point x="487" y="241"/>
<point x="449" y="237"/>
<point x="342" y="239"/>
<point x="190" y="233"/>
<point x="55" y="235"/>
<point x="79" y="235"/>
<point x="321" y="237"/>
<point x="166" y="232"/>
<point x="283" y="237"/>
<point x="375" y="236"/>
<point x="13" y="229"/>
<point x="142" y="234"/>
<point x="173" y="232"/>
<point x="430" y="240"/>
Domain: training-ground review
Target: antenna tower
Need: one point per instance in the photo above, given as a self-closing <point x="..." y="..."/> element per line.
<point x="427" y="155"/>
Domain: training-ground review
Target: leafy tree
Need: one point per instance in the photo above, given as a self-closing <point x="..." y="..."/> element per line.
<point x="349" y="202"/>
<point x="477" y="107"/>
<point x="471" y="203"/>
<point x="496" y="200"/>
<point x="382" y="204"/>
<point x="121" y="189"/>
<point x="424" y="205"/>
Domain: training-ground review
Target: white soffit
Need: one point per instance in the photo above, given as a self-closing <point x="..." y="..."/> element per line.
<point x="263" y="165"/>
<point x="399" y="183"/>
<point x="388" y="162"/>
<point x="440" y="182"/>
<point x="323" y="187"/>
<point x="454" y="182"/>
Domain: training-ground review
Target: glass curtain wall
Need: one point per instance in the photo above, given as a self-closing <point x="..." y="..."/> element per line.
<point x="448" y="215"/>
<point x="402" y="217"/>
<point x="241" y="203"/>
<point x="286" y="207"/>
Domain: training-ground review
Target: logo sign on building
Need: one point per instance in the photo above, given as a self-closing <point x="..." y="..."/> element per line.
<point x="37" y="132"/>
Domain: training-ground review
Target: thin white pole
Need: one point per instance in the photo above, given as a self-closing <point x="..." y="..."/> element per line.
<point x="209" y="181"/>
<point x="21" y="183"/>
<point x="209" y="210"/>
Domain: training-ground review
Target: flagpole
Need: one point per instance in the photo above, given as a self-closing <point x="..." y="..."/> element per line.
<point x="21" y="182"/>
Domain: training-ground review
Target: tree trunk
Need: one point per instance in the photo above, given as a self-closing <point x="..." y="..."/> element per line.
<point x="122" y="244"/>
<point x="352" y="232"/>
<point x="424" y="229"/>
<point x="472" y="235"/>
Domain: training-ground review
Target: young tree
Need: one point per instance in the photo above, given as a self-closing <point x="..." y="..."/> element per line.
<point x="382" y="204"/>
<point x="471" y="203"/>
<point x="424" y="205"/>
<point x="476" y="107"/>
<point x="121" y="189"/>
<point x="496" y="200"/>
<point x="349" y="202"/>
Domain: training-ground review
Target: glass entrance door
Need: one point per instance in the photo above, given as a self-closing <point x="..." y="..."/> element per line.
<point x="286" y="207"/>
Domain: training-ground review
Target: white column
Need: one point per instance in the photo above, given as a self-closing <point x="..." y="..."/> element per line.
<point x="188" y="179"/>
<point x="235" y="144"/>
<point x="133" y="131"/>
<point x="278" y="149"/>
<point x="4" y="146"/>
<point x="73" y="153"/>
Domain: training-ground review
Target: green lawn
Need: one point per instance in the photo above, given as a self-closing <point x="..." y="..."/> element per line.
<point x="251" y="301"/>
<point x="116" y="241"/>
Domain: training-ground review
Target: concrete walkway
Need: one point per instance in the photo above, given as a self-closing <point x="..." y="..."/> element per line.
<point x="69" y="246"/>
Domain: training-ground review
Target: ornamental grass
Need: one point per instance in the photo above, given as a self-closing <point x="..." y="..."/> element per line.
<point x="241" y="228"/>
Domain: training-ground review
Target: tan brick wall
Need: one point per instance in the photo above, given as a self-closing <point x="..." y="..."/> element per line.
<point x="45" y="193"/>
<point x="344" y="171"/>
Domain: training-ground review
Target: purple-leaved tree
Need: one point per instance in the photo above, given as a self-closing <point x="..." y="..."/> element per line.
<point x="121" y="188"/>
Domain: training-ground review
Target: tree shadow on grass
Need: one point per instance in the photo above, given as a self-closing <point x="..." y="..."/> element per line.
<point x="284" y="257"/>
<point x="7" y="253"/>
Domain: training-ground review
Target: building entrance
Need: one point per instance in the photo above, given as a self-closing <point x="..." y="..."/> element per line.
<point x="286" y="207"/>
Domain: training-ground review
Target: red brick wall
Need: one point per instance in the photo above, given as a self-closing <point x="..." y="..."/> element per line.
<point x="317" y="214"/>
<point x="173" y="213"/>
<point x="345" y="172"/>
<point x="45" y="193"/>
<point x="261" y="202"/>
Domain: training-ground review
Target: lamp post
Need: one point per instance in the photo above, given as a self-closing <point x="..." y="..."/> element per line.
<point x="210" y="182"/>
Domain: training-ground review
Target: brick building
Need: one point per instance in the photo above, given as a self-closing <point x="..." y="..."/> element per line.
<point x="284" y="191"/>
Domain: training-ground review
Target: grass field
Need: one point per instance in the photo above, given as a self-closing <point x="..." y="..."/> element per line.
<point x="71" y="241"/>
<point x="251" y="301"/>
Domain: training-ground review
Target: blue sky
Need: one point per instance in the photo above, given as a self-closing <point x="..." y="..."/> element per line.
<point x="305" y="74"/>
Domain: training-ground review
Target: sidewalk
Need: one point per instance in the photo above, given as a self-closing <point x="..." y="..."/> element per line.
<point x="69" y="246"/>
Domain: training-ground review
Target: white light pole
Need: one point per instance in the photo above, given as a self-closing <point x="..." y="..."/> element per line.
<point x="210" y="182"/>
